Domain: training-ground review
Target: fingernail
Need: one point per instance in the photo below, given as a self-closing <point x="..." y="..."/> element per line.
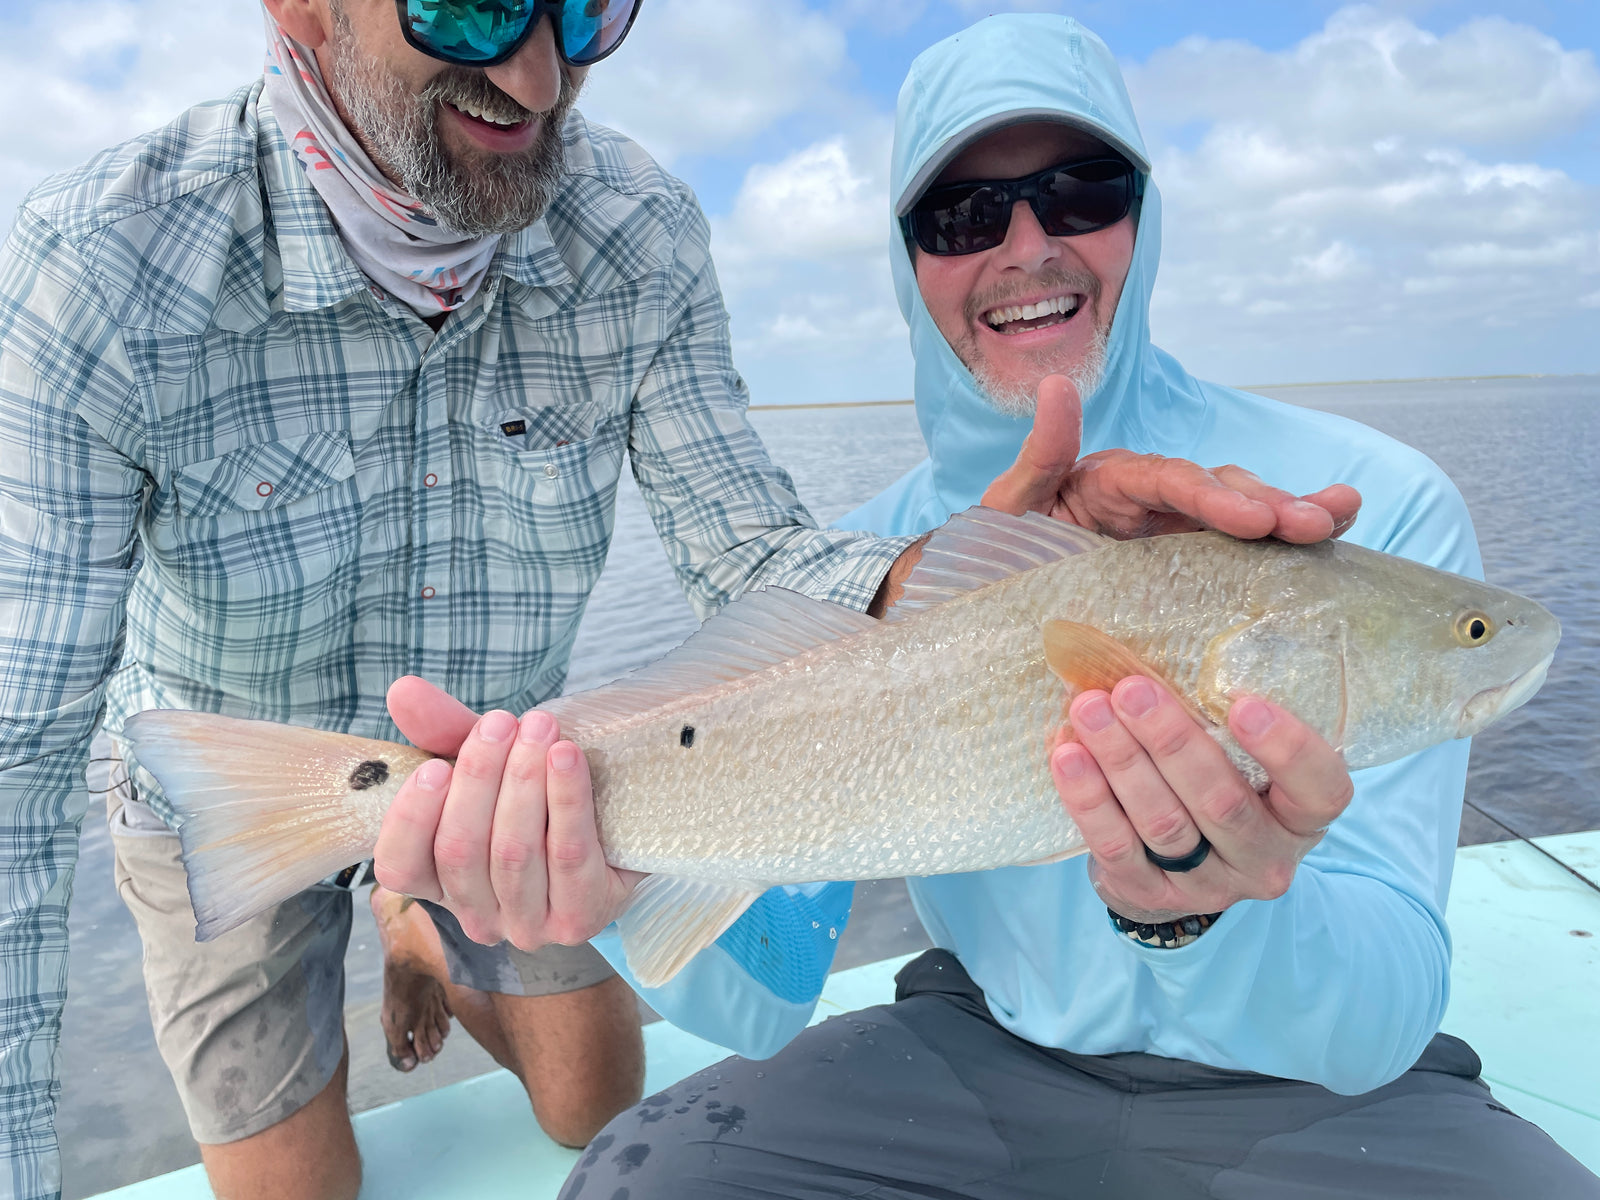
<point x="1252" y="716"/>
<point x="431" y="775"/>
<point x="1069" y="762"/>
<point x="1136" y="697"/>
<point x="1094" y="714"/>
<point x="537" y="726"/>
<point x="497" y="726"/>
<point x="1305" y="506"/>
<point x="563" y="756"/>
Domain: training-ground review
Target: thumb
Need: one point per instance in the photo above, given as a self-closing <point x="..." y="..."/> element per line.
<point x="1048" y="454"/>
<point x="433" y="719"/>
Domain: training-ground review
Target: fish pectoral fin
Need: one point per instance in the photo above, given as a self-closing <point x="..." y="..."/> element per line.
<point x="1086" y="659"/>
<point x="671" y="919"/>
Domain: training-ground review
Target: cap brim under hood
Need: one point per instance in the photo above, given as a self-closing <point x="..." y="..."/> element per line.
<point x="1001" y="72"/>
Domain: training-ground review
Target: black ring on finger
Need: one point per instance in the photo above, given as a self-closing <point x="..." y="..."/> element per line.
<point x="1184" y="862"/>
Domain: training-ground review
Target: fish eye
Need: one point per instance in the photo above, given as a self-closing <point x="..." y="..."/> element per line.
<point x="1474" y="628"/>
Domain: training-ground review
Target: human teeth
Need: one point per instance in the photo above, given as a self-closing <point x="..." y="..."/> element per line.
<point x="472" y="110"/>
<point x="1029" y="312"/>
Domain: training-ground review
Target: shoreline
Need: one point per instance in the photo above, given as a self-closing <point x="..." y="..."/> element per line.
<point x="1244" y="387"/>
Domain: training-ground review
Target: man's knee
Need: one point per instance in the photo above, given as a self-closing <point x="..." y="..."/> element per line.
<point x="580" y="1056"/>
<point x="309" y="1155"/>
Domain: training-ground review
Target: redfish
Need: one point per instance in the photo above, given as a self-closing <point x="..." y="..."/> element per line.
<point x="791" y="740"/>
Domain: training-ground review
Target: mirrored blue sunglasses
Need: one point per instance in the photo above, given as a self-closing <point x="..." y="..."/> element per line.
<point x="483" y="33"/>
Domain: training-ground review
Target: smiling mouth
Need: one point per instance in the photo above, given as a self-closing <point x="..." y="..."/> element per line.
<point x="472" y="112"/>
<point x="1023" y="318"/>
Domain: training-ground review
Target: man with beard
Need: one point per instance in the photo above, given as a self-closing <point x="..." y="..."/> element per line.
<point x="329" y="382"/>
<point x="1235" y="994"/>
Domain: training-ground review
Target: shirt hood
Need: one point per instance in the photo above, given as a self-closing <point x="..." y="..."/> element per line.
<point x="1006" y="70"/>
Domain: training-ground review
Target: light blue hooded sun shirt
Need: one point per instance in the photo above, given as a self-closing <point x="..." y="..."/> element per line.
<point x="1342" y="980"/>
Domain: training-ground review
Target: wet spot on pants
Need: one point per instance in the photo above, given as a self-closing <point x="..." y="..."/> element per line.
<point x="620" y="1194"/>
<point x="575" y="1185"/>
<point x="729" y="1120"/>
<point x="631" y="1158"/>
<point x="603" y="1142"/>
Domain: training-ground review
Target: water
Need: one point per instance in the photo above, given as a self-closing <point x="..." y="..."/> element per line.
<point x="1525" y="453"/>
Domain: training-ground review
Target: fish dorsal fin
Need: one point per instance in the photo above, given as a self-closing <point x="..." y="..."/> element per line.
<point x="983" y="546"/>
<point x="1086" y="659"/>
<point x="752" y="633"/>
<point x="669" y="920"/>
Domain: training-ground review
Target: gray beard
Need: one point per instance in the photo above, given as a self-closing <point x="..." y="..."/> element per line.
<point x="1014" y="399"/>
<point x="1022" y="400"/>
<point x="487" y="194"/>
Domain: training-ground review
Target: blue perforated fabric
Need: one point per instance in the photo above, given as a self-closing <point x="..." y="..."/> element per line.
<point x="785" y="941"/>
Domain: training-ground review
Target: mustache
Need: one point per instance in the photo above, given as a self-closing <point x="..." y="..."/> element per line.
<point x="1055" y="279"/>
<point x="465" y="86"/>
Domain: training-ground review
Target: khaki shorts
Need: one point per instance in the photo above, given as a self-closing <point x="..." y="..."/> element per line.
<point x="251" y="1024"/>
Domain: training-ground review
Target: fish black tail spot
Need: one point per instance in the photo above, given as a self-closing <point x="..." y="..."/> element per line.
<point x="369" y="774"/>
<point x="686" y="737"/>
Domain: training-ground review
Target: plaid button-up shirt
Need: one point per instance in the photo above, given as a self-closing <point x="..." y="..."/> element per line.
<point x="238" y="477"/>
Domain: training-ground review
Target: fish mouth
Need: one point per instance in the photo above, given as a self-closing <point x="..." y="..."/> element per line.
<point x="1493" y="703"/>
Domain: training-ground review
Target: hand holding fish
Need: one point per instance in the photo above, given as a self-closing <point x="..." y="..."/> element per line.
<point x="1144" y="773"/>
<point x="1126" y="495"/>
<point x="506" y="839"/>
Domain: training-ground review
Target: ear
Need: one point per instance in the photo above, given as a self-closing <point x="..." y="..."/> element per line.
<point x="306" y="21"/>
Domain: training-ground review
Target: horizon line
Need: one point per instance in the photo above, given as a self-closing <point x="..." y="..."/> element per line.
<point x="1248" y="387"/>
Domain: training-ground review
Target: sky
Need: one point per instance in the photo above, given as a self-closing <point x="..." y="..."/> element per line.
<point x="1351" y="191"/>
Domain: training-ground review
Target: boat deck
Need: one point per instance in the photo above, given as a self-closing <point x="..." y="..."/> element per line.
<point x="1526" y="981"/>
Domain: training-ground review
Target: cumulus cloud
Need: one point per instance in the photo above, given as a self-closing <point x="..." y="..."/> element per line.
<point x="804" y="263"/>
<point x="79" y="75"/>
<point x="709" y="75"/>
<point x="1369" y="201"/>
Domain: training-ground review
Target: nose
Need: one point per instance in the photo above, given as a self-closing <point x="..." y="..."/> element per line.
<point x="532" y="76"/>
<point x="1027" y="246"/>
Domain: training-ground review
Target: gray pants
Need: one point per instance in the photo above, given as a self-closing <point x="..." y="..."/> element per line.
<point x="929" y="1097"/>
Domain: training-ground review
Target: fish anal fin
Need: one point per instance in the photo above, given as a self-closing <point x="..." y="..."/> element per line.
<point x="671" y="919"/>
<point x="1087" y="659"/>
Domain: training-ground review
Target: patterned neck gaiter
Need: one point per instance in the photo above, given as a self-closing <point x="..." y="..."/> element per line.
<point x="396" y="241"/>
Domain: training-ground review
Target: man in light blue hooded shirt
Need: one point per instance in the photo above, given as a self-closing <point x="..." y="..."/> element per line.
<point x="1285" y="1045"/>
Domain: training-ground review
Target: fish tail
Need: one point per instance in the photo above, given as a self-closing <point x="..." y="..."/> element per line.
<point x="265" y="810"/>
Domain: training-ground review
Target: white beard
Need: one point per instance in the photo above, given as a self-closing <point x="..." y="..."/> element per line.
<point x="1022" y="400"/>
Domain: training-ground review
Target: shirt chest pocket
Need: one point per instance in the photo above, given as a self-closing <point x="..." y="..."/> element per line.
<point x="557" y="481"/>
<point x="267" y="520"/>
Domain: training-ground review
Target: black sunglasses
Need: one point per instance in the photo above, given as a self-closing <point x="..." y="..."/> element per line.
<point x="484" y="33"/>
<point x="1069" y="198"/>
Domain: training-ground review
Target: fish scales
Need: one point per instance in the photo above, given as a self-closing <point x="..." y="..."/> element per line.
<point x="795" y="742"/>
<point x="817" y="790"/>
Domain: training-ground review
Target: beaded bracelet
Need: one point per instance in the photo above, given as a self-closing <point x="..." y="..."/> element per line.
<point x="1168" y="935"/>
